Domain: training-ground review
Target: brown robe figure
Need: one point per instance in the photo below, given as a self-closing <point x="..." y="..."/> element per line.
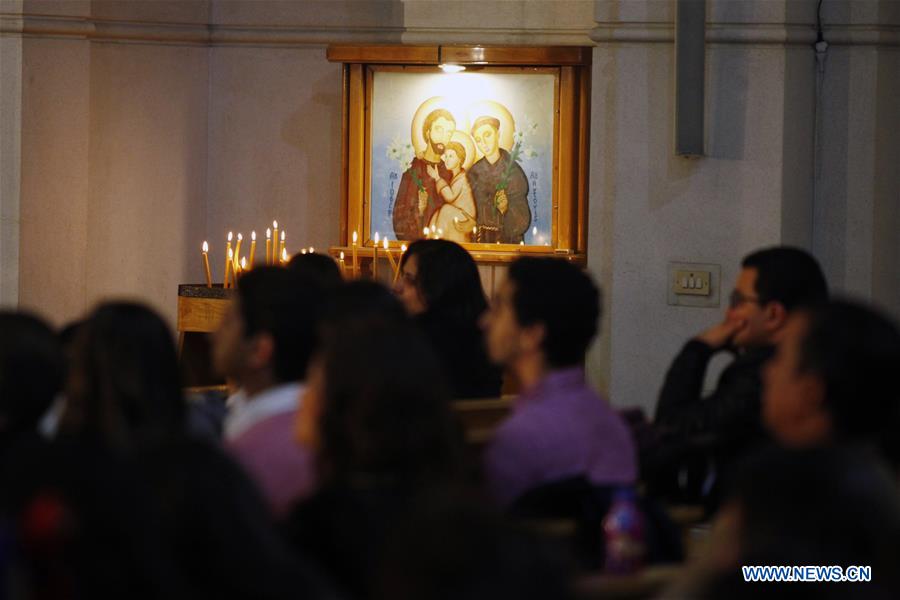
<point x="500" y="188"/>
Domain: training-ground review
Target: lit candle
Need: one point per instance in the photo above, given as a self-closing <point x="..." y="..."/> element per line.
<point x="399" y="262"/>
<point x="268" y="246"/>
<point x="229" y="257"/>
<point x="206" y="264"/>
<point x="341" y="263"/>
<point x="243" y="264"/>
<point x="312" y="250"/>
<point x="281" y="247"/>
<point x="252" y="247"/>
<point x="284" y="256"/>
<point x="475" y="234"/>
<point x="274" y="241"/>
<point x="390" y="257"/>
<point x="355" y="265"/>
<point x="375" y="257"/>
<point x="303" y="251"/>
<point x="229" y="267"/>
<point x="426" y="232"/>
<point x="237" y="251"/>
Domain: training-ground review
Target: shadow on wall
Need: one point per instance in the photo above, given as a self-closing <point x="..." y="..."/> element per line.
<point x="320" y="196"/>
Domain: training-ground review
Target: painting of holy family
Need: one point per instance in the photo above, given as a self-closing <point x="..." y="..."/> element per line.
<point x="469" y="155"/>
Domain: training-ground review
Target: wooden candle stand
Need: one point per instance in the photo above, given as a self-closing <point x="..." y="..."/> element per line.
<point x="200" y="312"/>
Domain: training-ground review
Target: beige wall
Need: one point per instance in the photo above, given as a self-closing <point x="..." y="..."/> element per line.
<point x="274" y="145"/>
<point x="149" y="126"/>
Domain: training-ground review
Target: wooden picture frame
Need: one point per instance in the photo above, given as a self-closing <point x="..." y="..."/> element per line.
<point x="564" y="230"/>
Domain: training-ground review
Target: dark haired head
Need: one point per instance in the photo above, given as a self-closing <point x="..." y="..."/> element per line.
<point x="362" y="299"/>
<point x="124" y="381"/>
<point x="316" y="269"/>
<point x="447" y="281"/>
<point x="31" y="371"/>
<point x="818" y="506"/>
<point x="789" y="276"/>
<point x="390" y="420"/>
<point x="273" y="301"/>
<point x="855" y="352"/>
<point x="564" y="299"/>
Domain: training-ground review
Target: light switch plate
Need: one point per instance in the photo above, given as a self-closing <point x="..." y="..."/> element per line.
<point x="694" y="284"/>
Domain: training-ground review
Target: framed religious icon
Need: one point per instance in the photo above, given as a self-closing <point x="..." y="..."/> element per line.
<point x="493" y="157"/>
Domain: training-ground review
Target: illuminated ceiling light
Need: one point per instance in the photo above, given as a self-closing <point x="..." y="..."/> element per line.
<point x="448" y="67"/>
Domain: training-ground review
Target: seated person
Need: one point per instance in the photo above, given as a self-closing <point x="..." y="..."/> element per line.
<point x="440" y="287"/>
<point x="316" y="269"/>
<point x="264" y="345"/>
<point x="833" y="380"/>
<point x="819" y="506"/>
<point x="772" y="283"/>
<point x="559" y="427"/>
<point x="377" y="415"/>
<point x="31" y="373"/>
<point x="456" y="217"/>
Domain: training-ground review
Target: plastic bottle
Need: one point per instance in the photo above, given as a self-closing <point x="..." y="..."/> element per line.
<point x="623" y="529"/>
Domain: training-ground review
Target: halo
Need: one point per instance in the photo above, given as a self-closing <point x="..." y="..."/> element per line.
<point x="416" y="135"/>
<point x="468" y="143"/>
<point x="490" y="108"/>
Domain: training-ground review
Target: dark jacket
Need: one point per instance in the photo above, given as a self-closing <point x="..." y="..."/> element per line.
<point x="731" y="411"/>
<point x="704" y="435"/>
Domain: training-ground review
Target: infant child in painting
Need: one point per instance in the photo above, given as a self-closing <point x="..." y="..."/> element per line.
<point x="455" y="219"/>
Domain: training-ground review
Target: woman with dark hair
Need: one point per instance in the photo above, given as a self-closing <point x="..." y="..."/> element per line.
<point x="124" y="382"/>
<point x="377" y="414"/>
<point x="172" y="508"/>
<point x="441" y="289"/>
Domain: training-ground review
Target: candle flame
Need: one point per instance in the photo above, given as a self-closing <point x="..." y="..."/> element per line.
<point x="342" y="255"/>
<point x="268" y="233"/>
<point x="377" y="237"/>
<point x="282" y="235"/>
<point x="274" y="224"/>
<point x="230" y="254"/>
<point x="521" y="243"/>
<point x="284" y="255"/>
<point x="534" y="231"/>
<point x="229" y="236"/>
<point x="426" y="231"/>
<point x="384" y="243"/>
<point x="312" y="250"/>
<point x="205" y="246"/>
<point x="253" y="236"/>
<point x="240" y="237"/>
<point x="475" y="230"/>
<point x="354" y="237"/>
<point x="303" y="251"/>
<point x="402" y="247"/>
<point x="243" y="263"/>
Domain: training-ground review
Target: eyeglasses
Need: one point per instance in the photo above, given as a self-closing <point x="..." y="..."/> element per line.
<point x="736" y="299"/>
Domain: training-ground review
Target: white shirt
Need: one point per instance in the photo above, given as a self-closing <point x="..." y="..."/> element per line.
<point x="244" y="412"/>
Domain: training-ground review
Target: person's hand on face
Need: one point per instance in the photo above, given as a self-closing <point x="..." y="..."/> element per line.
<point x="721" y="335"/>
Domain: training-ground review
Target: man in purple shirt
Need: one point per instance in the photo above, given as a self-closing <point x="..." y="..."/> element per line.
<point x="264" y="344"/>
<point x="540" y="325"/>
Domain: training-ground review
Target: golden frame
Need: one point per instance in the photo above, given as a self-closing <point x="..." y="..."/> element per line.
<point x="571" y="67"/>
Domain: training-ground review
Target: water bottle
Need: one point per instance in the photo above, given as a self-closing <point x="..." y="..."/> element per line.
<point x="623" y="529"/>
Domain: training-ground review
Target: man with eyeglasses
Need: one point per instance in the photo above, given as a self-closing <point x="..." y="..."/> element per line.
<point x="705" y="433"/>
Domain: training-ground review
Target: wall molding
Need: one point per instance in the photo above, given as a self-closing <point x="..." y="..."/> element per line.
<point x="750" y="34"/>
<point x="102" y="30"/>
